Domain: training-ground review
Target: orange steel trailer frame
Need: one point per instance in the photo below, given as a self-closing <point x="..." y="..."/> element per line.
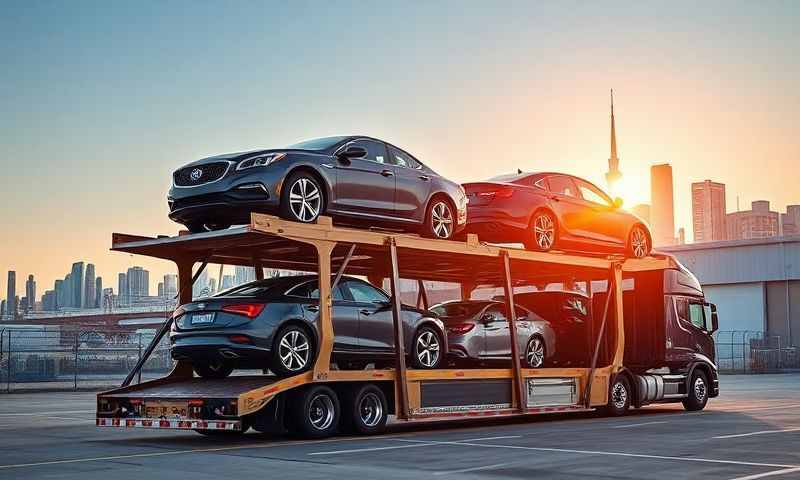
<point x="275" y="243"/>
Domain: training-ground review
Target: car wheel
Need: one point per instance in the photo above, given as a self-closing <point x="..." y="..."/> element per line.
<point x="638" y="242"/>
<point x="315" y="412"/>
<point x="219" y="369"/>
<point x="439" y="220"/>
<point x="543" y="232"/>
<point x="292" y="351"/>
<point x="619" y="397"/>
<point x="365" y="409"/>
<point x="535" y="352"/>
<point x="302" y="198"/>
<point x="698" y="392"/>
<point x="427" y="349"/>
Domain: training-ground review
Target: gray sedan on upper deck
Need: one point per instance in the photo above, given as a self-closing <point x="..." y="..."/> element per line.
<point x="356" y="179"/>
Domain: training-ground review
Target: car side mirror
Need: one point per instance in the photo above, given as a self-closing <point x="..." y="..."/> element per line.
<point x="487" y="318"/>
<point x="351" y="152"/>
<point x="617" y="202"/>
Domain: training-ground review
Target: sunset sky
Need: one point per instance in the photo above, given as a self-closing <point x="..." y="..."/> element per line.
<point x="102" y="100"/>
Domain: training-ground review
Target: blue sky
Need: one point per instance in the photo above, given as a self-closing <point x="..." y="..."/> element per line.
<point x="102" y="100"/>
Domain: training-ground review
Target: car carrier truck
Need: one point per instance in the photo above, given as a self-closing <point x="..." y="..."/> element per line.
<point x="648" y="339"/>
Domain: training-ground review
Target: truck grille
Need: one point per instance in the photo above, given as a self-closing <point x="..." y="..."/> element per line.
<point x="200" y="174"/>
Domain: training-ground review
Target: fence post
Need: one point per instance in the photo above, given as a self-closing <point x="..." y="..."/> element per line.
<point x="140" y="357"/>
<point x="75" y="367"/>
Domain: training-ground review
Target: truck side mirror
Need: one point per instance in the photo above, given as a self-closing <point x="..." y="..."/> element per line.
<point x="714" y="319"/>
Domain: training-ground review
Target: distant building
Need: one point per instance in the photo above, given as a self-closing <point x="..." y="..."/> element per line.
<point x="708" y="211"/>
<point x="200" y="287"/>
<point x="642" y="211"/>
<point x="790" y="221"/>
<point x="98" y="292"/>
<point x="244" y="275"/>
<point x="58" y="286"/>
<point x="160" y="289"/>
<point x="170" y="285"/>
<point x="11" y="295"/>
<point x="122" y="289"/>
<point x="681" y="236"/>
<point x="49" y="302"/>
<point x="227" y="282"/>
<point x="69" y="298"/>
<point x="77" y="285"/>
<point x="88" y="287"/>
<point x="138" y="282"/>
<point x="30" y="293"/>
<point x="760" y="222"/>
<point x="2" y="308"/>
<point x="662" y="215"/>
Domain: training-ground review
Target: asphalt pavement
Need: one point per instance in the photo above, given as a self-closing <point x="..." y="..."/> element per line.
<point x="751" y="431"/>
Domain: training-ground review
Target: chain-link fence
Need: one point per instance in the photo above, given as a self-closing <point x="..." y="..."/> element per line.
<point x="68" y="358"/>
<point x="748" y="351"/>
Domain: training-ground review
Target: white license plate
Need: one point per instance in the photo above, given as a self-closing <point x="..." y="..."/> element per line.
<point x="202" y="318"/>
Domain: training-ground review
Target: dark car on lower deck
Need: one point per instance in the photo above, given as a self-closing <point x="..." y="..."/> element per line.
<point x="272" y="324"/>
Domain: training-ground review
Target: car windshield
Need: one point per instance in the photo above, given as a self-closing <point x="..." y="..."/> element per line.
<point x="323" y="143"/>
<point x="458" y="309"/>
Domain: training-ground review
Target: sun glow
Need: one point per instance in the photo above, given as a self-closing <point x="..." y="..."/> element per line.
<point x="632" y="190"/>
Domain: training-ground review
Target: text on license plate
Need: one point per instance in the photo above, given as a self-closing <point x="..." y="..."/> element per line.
<point x="202" y="318"/>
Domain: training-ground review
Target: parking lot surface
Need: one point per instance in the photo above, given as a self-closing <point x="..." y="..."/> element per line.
<point x="751" y="431"/>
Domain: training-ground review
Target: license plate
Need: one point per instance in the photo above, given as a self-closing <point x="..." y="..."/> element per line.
<point x="168" y="410"/>
<point x="202" y="318"/>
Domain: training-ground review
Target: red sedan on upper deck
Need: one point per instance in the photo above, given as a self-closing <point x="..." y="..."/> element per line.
<point x="553" y="211"/>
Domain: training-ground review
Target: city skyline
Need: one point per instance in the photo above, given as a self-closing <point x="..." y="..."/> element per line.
<point x="714" y="98"/>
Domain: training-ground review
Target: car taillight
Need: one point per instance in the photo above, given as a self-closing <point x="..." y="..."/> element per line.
<point x="249" y="310"/>
<point x="504" y="192"/>
<point x="460" y="329"/>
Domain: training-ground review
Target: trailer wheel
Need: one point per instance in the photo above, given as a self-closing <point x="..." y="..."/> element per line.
<point x="315" y="412"/>
<point x="619" y="397"/>
<point x="698" y="392"/>
<point x="365" y="410"/>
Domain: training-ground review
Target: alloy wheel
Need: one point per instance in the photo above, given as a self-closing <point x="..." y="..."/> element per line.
<point x="305" y="199"/>
<point x="321" y="412"/>
<point x="534" y="354"/>
<point x="442" y="220"/>
<point x="639" y="243"/>
<point x="544" y="231"/>
<point x="370" y="409"/>
<point x="427" y="349"/>
<point x="699" y="389"/>
<point x="294" y="350"/>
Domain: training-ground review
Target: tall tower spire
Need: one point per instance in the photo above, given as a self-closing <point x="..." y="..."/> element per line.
<point x="613" y="173"/>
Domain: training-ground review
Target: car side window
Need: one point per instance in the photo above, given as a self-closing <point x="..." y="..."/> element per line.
<point x="311" y="290"/>
<point x="522" y="314"/>
<point x="541" y="183"/>
<point x="562" y="185"/>
<point x="498" y="313"/>
<point x="697" y="316"/>
<point x="376" y="151"/>
<point x="590" y="193"/>
<point x="363" y="292"/>
<point x="403" y="159"/>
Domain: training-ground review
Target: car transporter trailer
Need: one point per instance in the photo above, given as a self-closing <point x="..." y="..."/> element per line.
<point x="313" y="402"/>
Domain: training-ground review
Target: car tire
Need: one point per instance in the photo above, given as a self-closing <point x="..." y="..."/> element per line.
<point x="426" y="349"/>
<point x="440" y="219"/>
<point x="213" y="370"/>
<point x="639" y="244"/>
<point x="292" y="351"/>
<point x="364" y="409"/>
<point x="302" y="198"/>
<point x="542" y="232"/>
<point x="314" y="412"/>
<point x="619" y="397"/>
<point x="698" y="392"/>
<point x="535" y="352"/>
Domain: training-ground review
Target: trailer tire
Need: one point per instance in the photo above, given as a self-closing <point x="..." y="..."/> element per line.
<point x="619" y="397"/>
<point x="698" y="392"/>
<point x="314" y="412"/>
<point x="365" y="409"/>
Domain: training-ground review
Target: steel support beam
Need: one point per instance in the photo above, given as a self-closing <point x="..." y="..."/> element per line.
<point x="613" y="286"/>
<point x="400" y="357"/>
<point x="512" y="331"/>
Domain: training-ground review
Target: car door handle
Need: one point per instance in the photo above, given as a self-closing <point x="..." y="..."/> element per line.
<point x="312" y="308"/>
<point x="387" y="173"/>
<point x="554" y="198"/>
<point x="364" y="311"/>
<point x="424" y="178"/>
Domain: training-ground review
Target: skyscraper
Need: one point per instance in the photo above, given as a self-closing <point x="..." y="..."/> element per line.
<point x="662" y="215"/>
<point x="69" y="297"/>
<point x="138" y="282"/>
<point x="170" y="285"/>
<point x="613" y="174"/>
<point x="708" y="211"/>
<point x="244" y="275"/>
<point x="760" y="222"/>
<point x="11" y="294"/>
<point x="30" y="293"/>
<point x="161" y="289"/>
<point x="122" y="289"/>
<point x="98" y="292"/>
<point x="2" y="309"/>
<point x="88" y="288"/>
<point x="77" y="285"/>
<point x="200" y="287"/>
<point x="790" y="221"/>
<point x="61" y="297"/>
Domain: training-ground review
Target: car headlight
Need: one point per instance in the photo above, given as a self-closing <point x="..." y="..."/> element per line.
<point x="259" y="161"/>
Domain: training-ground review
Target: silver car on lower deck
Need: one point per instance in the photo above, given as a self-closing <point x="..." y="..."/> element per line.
<point x="477" y="330"/>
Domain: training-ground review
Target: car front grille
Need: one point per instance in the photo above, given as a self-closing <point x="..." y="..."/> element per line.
<point x="200" y="174"/>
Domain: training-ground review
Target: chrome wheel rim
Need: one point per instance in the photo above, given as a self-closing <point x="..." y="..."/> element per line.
<point x="699" y="389"/>
<point x="544" y="231"/>
<point x="305" y="200"/>
<point x="293" y="350"/>
<point x="535" y="353"/>
<point x="321" y="412"/>
<point x="370" y="409"/>
<point x="639" y="243"/>
<point x="442" y="220"/>
<point x="619" y="395"/>
<point x="427" y="349"/>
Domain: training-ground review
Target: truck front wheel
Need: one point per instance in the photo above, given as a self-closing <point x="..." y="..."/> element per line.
<point x="619" y="397"/>
<point x="698" y="392"/>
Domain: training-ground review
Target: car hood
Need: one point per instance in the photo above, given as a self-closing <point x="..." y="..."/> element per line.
<point x="242" y="155"/>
